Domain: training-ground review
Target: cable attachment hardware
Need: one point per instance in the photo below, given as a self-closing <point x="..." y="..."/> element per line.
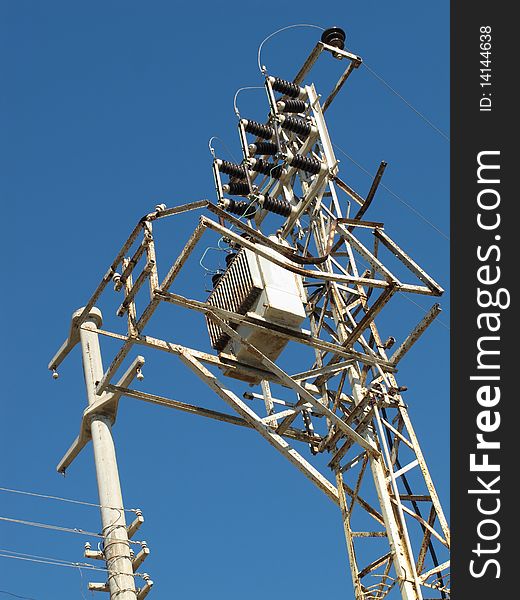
<point x="135" y="524"/>
<point x="143" y="592"/>
<point x="295" y="125"/>
<point x="276" y="205"/>
<point x="261" y="166"/>
<point x="141" y="556"/>
<point x="216" y="278"/>
<point x="305" y="163"/>
<point x="94" y="586"/>
<point x="231" y="169"/>
<point x="288" y="88"/>
<point x="263" y="148"/>
<point x="291" y="106"/>
<point x="397" y="390"/>
<point x="118" y="284"/>
<point x="259" y="129"/>
<point x="334" y="36"/>
<point x="236" y="188"/>
<point x="389" y="343"/>
<point x="239" y="207"/>
<point x="94" y="554"/>
<point x="55" y="374"/>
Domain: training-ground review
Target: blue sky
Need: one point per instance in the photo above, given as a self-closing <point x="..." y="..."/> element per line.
<point x="106" y="110"/>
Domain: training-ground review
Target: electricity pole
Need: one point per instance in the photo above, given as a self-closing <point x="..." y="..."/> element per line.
<point x="116" y="547"/>
<point x="299" y="251"/>
<point x="120" y="560"/>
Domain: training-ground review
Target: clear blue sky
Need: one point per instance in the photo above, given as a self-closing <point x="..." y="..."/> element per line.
<point x="106" y="110"/>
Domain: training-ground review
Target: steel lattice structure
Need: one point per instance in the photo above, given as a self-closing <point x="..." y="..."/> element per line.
<point x="347" y="403"/>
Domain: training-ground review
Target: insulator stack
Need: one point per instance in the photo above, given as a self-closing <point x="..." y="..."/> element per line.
<point x="232" y="169"/>
<point x="259" y="129"/>
<point x="298" y="126"/>
<point x="236" y="188"/>
<point x="334" y="36"/>
<point x="229" y="258"/>
<point x="263" y="148"/>
<point x="291" y="106"/>
<point x="240" y="207"/>
<point x="278" y="206"/>
<point x="215" y="278"/>
<point x="306" y="163"/>
<point x="262" y="166"/>
<point x="285" y="87"/>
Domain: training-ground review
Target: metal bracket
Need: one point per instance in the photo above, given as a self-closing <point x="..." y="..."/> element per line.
<point x="107" y="405"/>
<point x="73" y="338"/>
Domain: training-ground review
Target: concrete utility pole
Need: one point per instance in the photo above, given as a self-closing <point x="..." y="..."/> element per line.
<point x="116" y="547"/>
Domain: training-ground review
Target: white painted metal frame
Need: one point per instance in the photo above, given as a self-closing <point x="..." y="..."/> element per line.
<point x="346" y="403"/>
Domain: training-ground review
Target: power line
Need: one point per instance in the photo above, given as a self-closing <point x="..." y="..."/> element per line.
<point x="437" y="320"/>
<point x="248" y="87"/>
<point x="409" y="104"/>
<point x="409" y="206"/>
<point x="58" y="528"/>
<point x="82" y="584"/>
<point x="259" y="53"/>
<point x="49" y="497"/>
<point x="16" y="595"/>
<point x="212" y="151"/>
<point x="56" y="562"/>
<point x="16" y="553"/>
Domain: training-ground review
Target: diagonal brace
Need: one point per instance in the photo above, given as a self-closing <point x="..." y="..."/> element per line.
<point x="107" y="405"/>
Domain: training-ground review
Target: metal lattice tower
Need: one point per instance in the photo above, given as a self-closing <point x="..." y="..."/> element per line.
<point x="293" y="223"/>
